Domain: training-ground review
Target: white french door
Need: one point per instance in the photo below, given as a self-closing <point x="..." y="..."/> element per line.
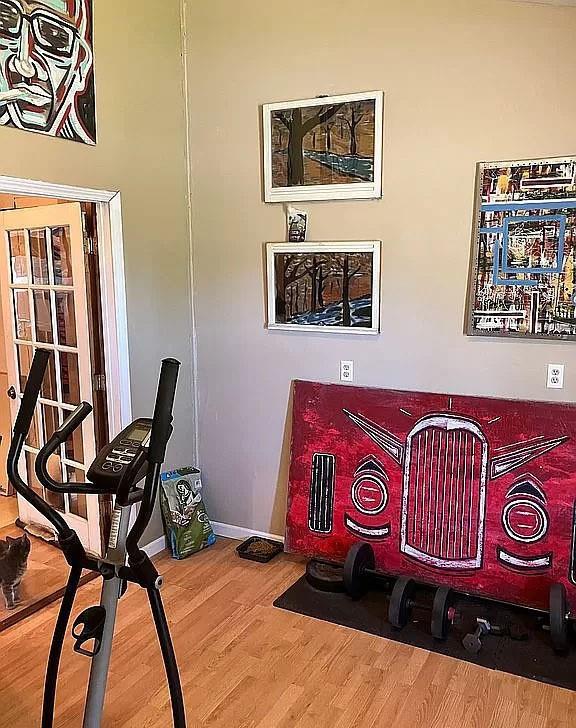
<point x="44" y="302"/>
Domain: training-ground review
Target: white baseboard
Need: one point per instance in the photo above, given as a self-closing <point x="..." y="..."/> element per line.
<point x="220" y="529"/>
<point x="155" y="547"/>
<point x="239" y="533"/>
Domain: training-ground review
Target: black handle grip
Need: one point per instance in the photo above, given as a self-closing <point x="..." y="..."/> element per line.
<point x="73" y="421"/>
<point x="31" y="392"/>
<point x="162" y="420"/>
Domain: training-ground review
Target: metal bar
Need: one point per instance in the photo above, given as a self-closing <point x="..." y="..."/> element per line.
<point x="101" y="662"/>
<point x="170" y="664"/>
<point x="56" y="646"/>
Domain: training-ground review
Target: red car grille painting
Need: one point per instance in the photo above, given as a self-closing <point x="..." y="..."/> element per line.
<point x="474" y="493"/>
<point x="444" y="492"/>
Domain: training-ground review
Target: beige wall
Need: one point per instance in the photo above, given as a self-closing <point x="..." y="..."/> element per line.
<point x="464" y="82"/>
<point x="140" y="151"/>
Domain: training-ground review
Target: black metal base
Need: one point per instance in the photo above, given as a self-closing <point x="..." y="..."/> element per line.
<point x="61" y="628"/>
<point x="56" y="647"/>
<point x="170" y="664"/>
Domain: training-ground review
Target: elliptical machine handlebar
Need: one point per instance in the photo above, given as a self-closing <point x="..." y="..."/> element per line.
<point x="160" y="434"/>
<point x="159" y="437"/>
<point x="20" y="432"/>
<point x="162" y="420"/>
<point x="31" y="392"/>
<point x="71" y="423"/>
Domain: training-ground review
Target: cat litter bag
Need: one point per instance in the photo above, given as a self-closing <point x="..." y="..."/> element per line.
<point x="188" y="528"/>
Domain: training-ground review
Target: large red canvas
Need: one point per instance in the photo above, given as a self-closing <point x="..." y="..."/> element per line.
<point x="474" y="493"/>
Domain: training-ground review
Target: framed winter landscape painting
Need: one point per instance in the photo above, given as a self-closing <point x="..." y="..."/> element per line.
<point x="522" y="273"/>
<point x="328" y="287"/>
<point x="326" y="148"/>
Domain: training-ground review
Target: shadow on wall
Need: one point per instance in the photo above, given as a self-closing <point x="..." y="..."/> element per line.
<point x="278" y="518"/>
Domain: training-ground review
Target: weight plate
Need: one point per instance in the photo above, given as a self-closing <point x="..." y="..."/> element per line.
<point x="558" y="618"/>
<point x="325" y="577"/>
<point x="399" y="607"/>
<point x="439" y="622"/>
<point x="359" y="558"/>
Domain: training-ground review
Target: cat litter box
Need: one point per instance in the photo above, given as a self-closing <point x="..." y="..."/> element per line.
<point x="259" y="549"/>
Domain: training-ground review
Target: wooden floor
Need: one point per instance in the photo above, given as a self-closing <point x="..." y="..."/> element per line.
<point x="246" y="664"/>
<point x="8" y="508"/>
<point x="46" y="576"/>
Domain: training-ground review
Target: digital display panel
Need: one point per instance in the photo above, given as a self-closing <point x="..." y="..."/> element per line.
<point x="139" y="434"/>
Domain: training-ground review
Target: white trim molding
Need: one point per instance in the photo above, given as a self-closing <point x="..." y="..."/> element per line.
<point x="239" y="533"/>
<point x="225" y="530"/>
<point x="155" y="547"/>
<point x="37" y="188"/>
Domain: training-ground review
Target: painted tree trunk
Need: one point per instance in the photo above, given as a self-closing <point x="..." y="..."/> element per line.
<point x="346" y="319"/>
<point x="280" y="272"/>
<point x="295" y="150"/>
<point x="314" y="285"/>
<point x="321" y="279"/>
<point x="353" y="142"/>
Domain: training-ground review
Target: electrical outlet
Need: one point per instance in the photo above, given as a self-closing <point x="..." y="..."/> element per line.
<point x="555" y="378"/>
<point x="346" y="371"/>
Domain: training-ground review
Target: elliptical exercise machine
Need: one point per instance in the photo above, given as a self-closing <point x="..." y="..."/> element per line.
<point x="136" y="453"/>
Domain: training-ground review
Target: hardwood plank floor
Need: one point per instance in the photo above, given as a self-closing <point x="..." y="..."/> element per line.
<point x="246" y="664"/>
<point x="43" y="582"/>
<point x="8" y="506"/>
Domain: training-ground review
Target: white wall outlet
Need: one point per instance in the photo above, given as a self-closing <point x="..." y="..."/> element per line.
<point x="346" y="371"/>
<point x="555" y="378"/>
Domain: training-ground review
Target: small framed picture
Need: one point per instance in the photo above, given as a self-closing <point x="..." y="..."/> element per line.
<point x="327" y="148"/>
<point x="327" y="287"/>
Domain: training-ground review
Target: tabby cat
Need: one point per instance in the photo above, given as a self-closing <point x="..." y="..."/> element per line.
<point x="13" y="563"/>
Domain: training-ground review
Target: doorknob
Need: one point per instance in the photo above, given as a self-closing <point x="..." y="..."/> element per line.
<point x="11" y="393"/>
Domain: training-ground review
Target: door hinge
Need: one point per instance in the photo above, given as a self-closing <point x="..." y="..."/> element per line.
<point x="89" y="240"/>
<point x="99" y="382"/>
<point x="89" y="246"/>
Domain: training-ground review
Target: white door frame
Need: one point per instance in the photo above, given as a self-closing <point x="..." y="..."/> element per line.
<point x="112" y="282"/>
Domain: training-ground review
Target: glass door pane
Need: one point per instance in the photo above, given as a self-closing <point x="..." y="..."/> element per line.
<point x="43" y="278"/>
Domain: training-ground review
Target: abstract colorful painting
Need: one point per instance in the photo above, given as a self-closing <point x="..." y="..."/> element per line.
<point x="330" y="287"/>
<point x="323" y="148"/>
<point x="46" y="68"/>
<point x="474" y="493"/>
<point x="522" y="281"/>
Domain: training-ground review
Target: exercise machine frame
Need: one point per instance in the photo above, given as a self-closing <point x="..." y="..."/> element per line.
<point x="123" y="561"/>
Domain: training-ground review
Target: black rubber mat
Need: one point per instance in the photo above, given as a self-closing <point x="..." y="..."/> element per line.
<point x="532" y="658"/>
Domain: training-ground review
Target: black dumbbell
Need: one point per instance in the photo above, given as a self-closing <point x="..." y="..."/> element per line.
<point x="402" y="602"/>
<point x="360" y="572"/>
<point x="473" y="642"/>
<point x="559" y="618"/>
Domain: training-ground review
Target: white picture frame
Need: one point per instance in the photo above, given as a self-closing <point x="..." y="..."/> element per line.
<point x="301" y="191"/>
<point x="304" y="253"/>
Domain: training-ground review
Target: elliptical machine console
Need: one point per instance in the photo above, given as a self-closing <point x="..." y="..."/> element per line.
<point x="127" y="452"/>
<point x="135" y="455"/>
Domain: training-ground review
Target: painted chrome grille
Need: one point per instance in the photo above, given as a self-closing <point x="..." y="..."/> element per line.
<point x="444" y="492"/>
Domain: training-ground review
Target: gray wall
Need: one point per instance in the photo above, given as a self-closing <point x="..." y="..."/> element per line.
<point x="142" y="152"/>
<point x="464" y="82"/>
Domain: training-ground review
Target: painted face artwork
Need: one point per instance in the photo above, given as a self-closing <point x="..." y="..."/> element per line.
<point x="46" y="68"/>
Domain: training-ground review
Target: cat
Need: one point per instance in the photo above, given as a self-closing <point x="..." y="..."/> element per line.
<point x="13" y="563"/>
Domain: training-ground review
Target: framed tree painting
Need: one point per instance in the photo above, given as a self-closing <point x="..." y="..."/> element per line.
<point x="327" y="148"/>
<point x="328" y="287"/>
<point x="522" y="272"/>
